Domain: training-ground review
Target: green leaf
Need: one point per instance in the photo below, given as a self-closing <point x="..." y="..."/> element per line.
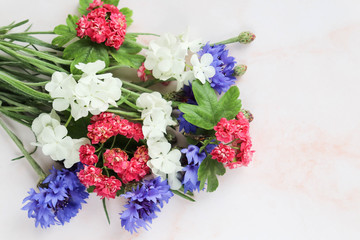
<point x="210" y="110"/>
<point x="85" y="51"/>
<point x="78" y="129"/>
<point x="128" y="14"/>
<point x="207" y="172"/>
<point x="90" y="189"/>
<point x="131" y="46"/>
<point x="84" y="4"/>
<point x="66" y="32"/>
<point x="112" y="2"/>
<point x="126" y="59"/>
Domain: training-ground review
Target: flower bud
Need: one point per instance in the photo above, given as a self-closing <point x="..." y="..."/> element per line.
<point x="248" y="115"/>
<point x="239" y="70"/>
<point x="246" y="37"/>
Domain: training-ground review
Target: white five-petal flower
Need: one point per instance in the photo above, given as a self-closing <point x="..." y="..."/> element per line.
<point x="202" y="69"/>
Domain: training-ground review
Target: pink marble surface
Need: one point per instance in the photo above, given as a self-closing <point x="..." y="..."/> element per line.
<point x="303" y="88"/>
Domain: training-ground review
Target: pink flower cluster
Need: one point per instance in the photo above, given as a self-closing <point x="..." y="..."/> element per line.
<point x="104" y="186"/>
<point x="141" y="73"/>
<point x="235" y="134"/>
<point x="105" y="23"/>
<point x="87" y="155"/>
<point x="128" y="171"/>
<point x="107" y="125"/>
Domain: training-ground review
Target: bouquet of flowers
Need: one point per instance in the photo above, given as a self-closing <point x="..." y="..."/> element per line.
<point x="119" y="138"/>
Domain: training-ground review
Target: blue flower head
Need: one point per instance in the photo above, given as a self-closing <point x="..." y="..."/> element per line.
<point x="143" y="202"/>
<point x="194" y="159"/>
<point x="59" y="201"/>
<point x="224" y="67"/>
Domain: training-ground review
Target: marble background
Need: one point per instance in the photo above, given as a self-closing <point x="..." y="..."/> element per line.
<point x="302" y="85"/>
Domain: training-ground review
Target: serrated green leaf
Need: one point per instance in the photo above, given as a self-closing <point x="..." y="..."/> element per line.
<point x="66" y="32"/>
<point x="128" y="15"/>
<point x="112" y="2"/>
<point x="208" y="170"/>
<point x="83" y="5"/>
<point x="210" y="110"/>
<point x="131" y="46"/>
<point x="90" y="189"/>
<point x="127" y="60"/>
<point x="85" y="51"/>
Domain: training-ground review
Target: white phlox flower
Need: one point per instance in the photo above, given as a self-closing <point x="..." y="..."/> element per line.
<point x="156" y="114"/>
<point x="166" y="57"/>
<point x="52" y="138"/>
<point x="92" y="93"/>
<point x="202" y="69"/>
<point x="61" y="88"/>
<point x="193" y="45"/>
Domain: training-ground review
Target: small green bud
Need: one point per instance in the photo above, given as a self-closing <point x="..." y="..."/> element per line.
<point x="246" y="37"/>
<point x="247" y="114"/>
<point x="239" y="70"/>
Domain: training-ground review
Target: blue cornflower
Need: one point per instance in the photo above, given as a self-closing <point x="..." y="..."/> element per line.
<point x="224" y="67"/>
<point x="194" y="159"/>
<point x="143" y="202"/>
<point x="185" y="125"/>
<point x="190" y="99"/>
<point x="59" y="201"/>
<point x="192" y="154"/>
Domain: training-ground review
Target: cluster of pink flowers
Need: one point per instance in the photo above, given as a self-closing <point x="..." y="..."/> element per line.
<point x="133" y="170"/>
<point x="104" y="186"/>
<point x="87" y="155"/>
<point x="107" y="125"/>
<point x="234" y="133"/>
<point x="117" y="160"/>
<point x="141" y="73"/>
<point x="105" y="23"/>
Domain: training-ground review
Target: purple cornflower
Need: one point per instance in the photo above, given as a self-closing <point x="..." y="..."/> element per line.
<point x="224" y="67"/>
<point x="143" y="202"/>
<point x="190" y="99"/>
<point x="58" y="201"/>
<point x="194" y="159"/>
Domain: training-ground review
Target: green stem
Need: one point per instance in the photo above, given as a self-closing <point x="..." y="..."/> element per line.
<point x="136" y="87"/>
<point x="68" y="121"/>
<point x="130" y="104"/>
<point x="19" y="144"/>
<point x="113" y="142"/>
<point x="127" y="144"/>
<point x="152" y="34"/>
<point x="230" y="40"/>
<point x="131" y="93"/>
<point x="128" y="114"/>
<point x="105" y="210"/>
<point x="183" y="195"/>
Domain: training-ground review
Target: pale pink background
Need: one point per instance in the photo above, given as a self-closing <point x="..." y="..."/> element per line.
<point x="302" y="86"/>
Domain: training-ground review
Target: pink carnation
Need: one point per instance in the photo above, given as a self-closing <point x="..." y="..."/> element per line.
<point x="90" y="176"/>
<point x="87" y="155"/>
<point x="116" y="159"/>
<point x="142" y="74"/>
<point x="224" y="131"/>
<point x="94" y="4"/>
<point x="100" y="131"/>
<point x="137" y="168"/>
<point x="243" y="154"/>
<point x="223" y="153"/>
<point x="108" y="187"/>
<point x="104" y="24"/>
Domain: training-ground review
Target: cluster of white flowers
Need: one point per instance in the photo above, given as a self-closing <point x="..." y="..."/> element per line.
<point x="156" y="115"/>
<point x="167" y="59"/>
<point x="92" y="93"/>
<point x="52" y="138"/>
